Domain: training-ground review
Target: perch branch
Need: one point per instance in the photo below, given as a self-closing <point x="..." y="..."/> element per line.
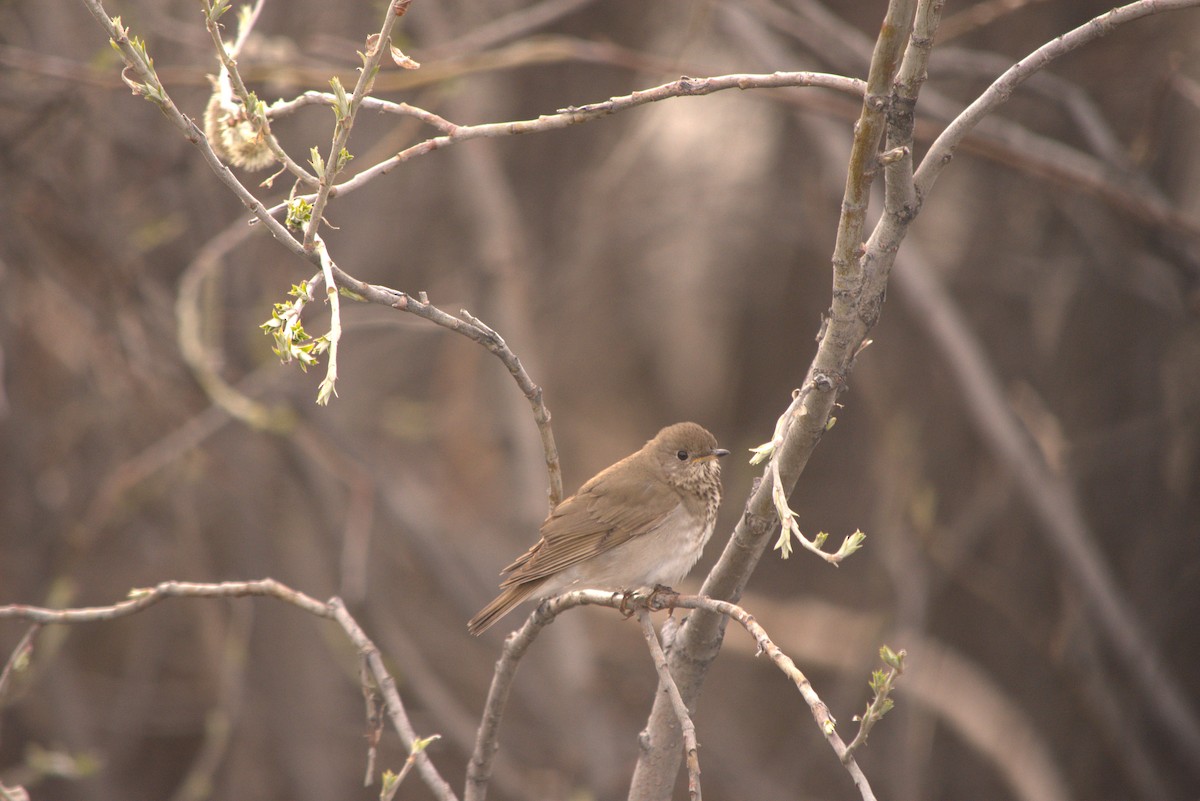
<point x="518" y="643"/>
<point x="853" y="312"/>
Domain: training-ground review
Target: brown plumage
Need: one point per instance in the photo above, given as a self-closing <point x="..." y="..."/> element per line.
<point x="641" y="522"/>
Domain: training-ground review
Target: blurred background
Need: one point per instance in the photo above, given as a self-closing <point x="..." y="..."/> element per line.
<point x="669" y="263"/>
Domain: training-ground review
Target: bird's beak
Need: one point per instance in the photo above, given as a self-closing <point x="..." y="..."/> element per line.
<point x="718" y="452"/>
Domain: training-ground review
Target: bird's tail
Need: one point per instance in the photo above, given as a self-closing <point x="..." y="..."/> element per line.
<point x="500" y="606"/>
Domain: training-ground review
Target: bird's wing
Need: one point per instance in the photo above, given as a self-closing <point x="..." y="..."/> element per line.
<point x="607" y="511"/>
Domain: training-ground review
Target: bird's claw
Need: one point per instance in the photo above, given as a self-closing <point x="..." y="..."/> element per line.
<point x="623" y="608"/>
<point x="662" y="597"/>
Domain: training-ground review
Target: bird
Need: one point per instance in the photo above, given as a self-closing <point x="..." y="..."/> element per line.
<point x="642" y="522"/>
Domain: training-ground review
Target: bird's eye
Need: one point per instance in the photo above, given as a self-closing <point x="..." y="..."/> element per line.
<point x="682" y="456"/>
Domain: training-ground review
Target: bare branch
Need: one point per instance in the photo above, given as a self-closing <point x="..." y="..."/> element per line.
<point x="395" y="707"/>
<point x="667" y="685"/>
<point x="152" y="89"/>
<point x="334" y="609"/>
<point x="574" y="115"/>
<point x="852" y="314"/>
<point x="334" y="163"/>
<point x="143" y="598"/>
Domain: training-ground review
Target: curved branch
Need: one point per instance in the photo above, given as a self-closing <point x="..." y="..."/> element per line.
<point x="476" y="331"/>
<point x="334" y="609"/>
<point x="518" y="643"/>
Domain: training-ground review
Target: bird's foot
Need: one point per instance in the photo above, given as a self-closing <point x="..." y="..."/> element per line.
<point x="626" y="597"/>
<point x="662" y="597"/>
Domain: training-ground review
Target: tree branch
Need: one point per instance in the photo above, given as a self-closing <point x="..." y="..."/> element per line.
<point x="334" y="609"/>
<point x="803" y="423"/>
<point x="666" y="684"/>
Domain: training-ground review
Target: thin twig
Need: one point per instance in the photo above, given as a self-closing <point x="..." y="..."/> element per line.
<point x="334" y="609"/>
<point x="328" y="386"/>
<point x="334" y="162"/>
<point x="667" y="685"/>
<point x="574" y="115"/>
<point x="227" y="56"/>
<point x="313" y="98"/>
<point x="518" y="643"/>
<point x="19" y="657"/>
<point x="395" y="707"/>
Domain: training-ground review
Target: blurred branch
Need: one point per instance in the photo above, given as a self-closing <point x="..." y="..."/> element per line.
<point x="199" y="355"/>
<point x="520" y="22"/>
<point x="197" y="784"/>
<point x="18" y="660"/>
<point x="978" y="16"/>
<point x="1048" y="493"/>
<point x="1051" y="498"/>
<point x="334" y="609"/>
<point x="942" y="150"/>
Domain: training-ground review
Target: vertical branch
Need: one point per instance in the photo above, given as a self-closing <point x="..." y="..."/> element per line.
<point x="395" y="707"/>
<point x="841" y="338"/>
<point x="667" y="685"/>
<point x="345" y="122"/>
